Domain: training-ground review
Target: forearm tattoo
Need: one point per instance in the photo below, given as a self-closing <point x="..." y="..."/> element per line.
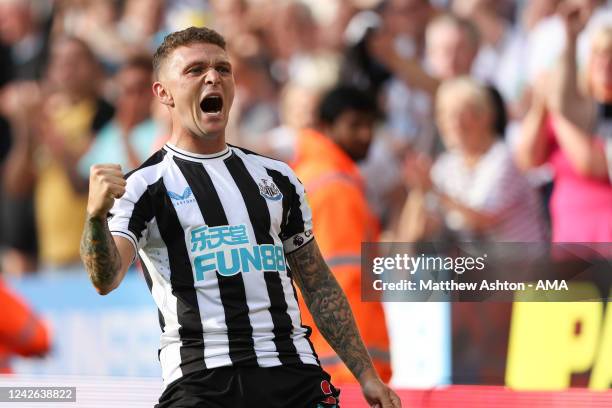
<point x="99" y="253"/>
<point x="329" y="307"/>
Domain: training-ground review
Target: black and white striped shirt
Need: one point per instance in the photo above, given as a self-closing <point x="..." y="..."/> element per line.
<point x="212" y="233"/>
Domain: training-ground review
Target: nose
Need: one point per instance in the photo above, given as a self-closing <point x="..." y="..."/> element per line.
<point x="212" y="77"/>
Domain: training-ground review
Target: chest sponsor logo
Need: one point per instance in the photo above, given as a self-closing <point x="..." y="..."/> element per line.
<point x="269" y="190"/>
<point x="180" y="199"/>
<point x="228" y="250"/>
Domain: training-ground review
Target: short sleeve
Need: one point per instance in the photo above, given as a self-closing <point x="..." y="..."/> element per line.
<point x="297" y="229"/>
<point x="131" y="214"/>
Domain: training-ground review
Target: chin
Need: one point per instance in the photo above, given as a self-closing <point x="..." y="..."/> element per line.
<point x="211" y="130"/>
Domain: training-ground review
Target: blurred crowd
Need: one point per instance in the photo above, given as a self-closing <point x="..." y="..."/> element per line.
<point x="494" y="117"/>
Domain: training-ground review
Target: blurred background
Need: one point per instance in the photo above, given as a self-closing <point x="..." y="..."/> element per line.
<point x="503" y="106"/>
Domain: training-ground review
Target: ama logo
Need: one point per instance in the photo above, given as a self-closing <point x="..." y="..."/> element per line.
<point x="268" y="189"/>
<point x="180" y="199"/>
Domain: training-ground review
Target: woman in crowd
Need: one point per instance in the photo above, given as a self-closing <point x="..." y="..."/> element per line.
<point x="571" y="130"/>
<point x="473" y="191"/>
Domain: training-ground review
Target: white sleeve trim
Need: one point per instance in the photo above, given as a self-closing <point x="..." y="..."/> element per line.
<point x="131" y="237"/>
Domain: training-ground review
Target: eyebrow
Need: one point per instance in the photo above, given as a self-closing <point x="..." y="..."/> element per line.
<point x="207" y="63"/>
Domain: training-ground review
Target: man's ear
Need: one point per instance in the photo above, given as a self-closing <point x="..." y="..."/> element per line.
<point x="162" y="94"/>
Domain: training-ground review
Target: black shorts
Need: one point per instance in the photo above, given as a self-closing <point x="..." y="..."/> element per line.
<point x="303" y="386"/>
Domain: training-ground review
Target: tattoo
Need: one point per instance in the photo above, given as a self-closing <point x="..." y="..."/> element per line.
<point x="329" y="307"/>
<point x="99" y="253"/>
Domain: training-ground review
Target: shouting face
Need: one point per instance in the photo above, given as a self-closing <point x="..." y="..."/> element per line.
<point x="197" y="84"/>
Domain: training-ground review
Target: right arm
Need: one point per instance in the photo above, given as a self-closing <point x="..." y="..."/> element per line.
<point x="532" y="148"/>
<point x="106" y="258"/>
<point x="566" y="97"/>
<point x="408" y="70"/>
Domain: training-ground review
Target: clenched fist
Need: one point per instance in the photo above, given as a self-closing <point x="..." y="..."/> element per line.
<point x="106" y="183"/>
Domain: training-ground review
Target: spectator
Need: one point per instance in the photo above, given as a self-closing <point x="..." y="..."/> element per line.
<point x="510" y="76"/>
<point x="129" y="138"/>
<point x="326" y="163"/>
<point x="55" y="130"/>
<point x="255" y="104"/>
<point x="298" y="105"/>
<point x="450" y="48"/>
<point x="547" y="40"/>
<point x="23" y="33"/>
<point x="23" y="49"/>
<point x="492" y="19"/>
<point x="569" y="129"/>
<point x="474" y="189"/>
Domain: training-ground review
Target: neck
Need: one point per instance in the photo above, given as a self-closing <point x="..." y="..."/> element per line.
<point x="195" y="144"/>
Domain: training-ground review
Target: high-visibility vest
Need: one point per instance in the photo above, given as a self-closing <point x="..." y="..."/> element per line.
<point x="21" y="331"/>
<point x="342" y="220"/>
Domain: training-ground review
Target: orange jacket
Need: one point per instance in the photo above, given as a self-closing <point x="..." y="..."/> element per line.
<point x="341" y="222"/>
<point x="21" y="331"/>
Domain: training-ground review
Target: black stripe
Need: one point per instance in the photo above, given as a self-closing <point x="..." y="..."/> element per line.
<point x="295" y="219"/>
<point x="288" y="189"/>
<point x="231" y="288"/>
<point x="259" y="215"/>
<point x="156" y="158"/>
<point x="141" y="214"/>
<point x="127" y="236"/>
<point x="283" y="184"/>
<point x="247" y="151"/>
<point x="147" y="277"/>
<point x="181" y="280"/>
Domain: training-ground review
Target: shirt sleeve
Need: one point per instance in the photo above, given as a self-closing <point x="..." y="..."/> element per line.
<point x="297" y="229"/>
<point x="131" y="214"/>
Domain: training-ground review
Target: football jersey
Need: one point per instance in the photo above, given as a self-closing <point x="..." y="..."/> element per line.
<point x="212" y="233"/>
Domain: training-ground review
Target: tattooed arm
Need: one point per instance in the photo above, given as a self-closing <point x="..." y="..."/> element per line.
<point x="105" y="257"/>
<point x="333" y="316"/>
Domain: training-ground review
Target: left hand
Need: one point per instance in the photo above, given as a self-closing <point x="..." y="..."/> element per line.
<point x="379" y="395"/>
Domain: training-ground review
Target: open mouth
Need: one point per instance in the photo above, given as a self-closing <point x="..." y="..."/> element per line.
<point x="211" y="104"/>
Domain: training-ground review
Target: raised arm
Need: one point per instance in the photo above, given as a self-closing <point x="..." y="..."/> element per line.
<point x="566" y="97"/>
<point x="333" y="316"/>
<point x="531" y="150"/>
<point x="105" y="257"/>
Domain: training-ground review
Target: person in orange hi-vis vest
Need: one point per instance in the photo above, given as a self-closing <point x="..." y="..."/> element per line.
<point x="325" y="162"/>
<point x="21" y="331"/>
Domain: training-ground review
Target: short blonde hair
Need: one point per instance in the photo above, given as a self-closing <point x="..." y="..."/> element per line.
<point x="466" y="88"/>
